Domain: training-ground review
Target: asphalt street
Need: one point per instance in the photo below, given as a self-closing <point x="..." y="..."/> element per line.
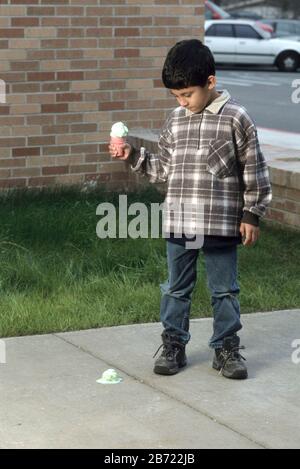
<point x="266" y="93"/>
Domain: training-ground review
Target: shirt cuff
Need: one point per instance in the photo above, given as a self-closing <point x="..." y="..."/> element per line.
<point x="250" y="218"/>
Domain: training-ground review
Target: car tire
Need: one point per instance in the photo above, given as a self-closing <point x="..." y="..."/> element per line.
<point x="288" y="61"/>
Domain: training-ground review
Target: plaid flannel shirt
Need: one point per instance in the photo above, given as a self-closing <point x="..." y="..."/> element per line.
<point x="215" y="171"/>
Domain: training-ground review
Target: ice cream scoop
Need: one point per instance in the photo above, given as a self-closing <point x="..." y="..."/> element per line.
<point x="118" y="135"/>
<point x="119" y="130"/>
<point x="109" y="376"/>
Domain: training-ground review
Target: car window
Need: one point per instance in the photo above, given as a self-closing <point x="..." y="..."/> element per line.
<point x="223" y="30"/>
<point x="243" y="30"/>
<point x="211" y="31"/>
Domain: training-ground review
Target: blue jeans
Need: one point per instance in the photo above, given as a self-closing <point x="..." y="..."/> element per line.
<point x="221" y="271"/>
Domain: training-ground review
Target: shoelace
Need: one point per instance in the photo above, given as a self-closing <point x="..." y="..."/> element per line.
<point x="169" y="348"/>
<point x="232" y="354"/>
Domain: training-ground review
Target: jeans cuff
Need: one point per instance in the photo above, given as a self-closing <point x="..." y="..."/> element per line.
<point x="215" y="346"/>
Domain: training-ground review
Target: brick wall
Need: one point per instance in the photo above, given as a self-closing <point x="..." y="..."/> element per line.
<point x="72" y="68"/>
<point x="285" y="206"/>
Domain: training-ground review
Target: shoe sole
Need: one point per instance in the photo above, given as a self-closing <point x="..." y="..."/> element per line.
<point x="160" y="370"/>
<point x="237" y="375"/>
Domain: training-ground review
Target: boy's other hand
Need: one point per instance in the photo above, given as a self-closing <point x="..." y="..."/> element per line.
<point x="126" y="151"/>
<point x="250" y="233"/>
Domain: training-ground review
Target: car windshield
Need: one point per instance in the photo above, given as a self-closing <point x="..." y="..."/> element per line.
<point x="265" y="34"/>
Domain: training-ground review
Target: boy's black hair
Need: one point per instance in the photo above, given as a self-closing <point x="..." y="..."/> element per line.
<point x="188" y="63"/>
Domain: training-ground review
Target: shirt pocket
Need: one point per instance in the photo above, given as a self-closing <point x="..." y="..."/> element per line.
<point x="221" y="159"/>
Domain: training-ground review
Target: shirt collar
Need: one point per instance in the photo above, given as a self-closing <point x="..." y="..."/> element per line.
<point x="216" y="105"/>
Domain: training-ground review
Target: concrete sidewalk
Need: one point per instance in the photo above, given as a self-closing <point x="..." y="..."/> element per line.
<point x="50" y="398"/>
<point x="280" y="138"/>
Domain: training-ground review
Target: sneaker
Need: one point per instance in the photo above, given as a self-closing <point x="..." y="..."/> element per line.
<point x="228" y="360"/>
<point x="172" y="357"/>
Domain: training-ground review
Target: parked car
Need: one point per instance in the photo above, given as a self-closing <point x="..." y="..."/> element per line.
<point x="214" y="12"/>
<point x="285" y="28"/>
<point x="243" y="14"/>
<point x="244" y="42"/>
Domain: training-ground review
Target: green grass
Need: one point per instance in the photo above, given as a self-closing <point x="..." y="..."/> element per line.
<point x="57" y="275"/>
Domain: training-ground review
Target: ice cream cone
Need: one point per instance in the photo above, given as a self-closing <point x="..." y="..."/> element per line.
<point x="118" y="135"/>
<point x="118" y="144"/>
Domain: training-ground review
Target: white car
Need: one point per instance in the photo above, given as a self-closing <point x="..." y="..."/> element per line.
<point x="244" y="42"/>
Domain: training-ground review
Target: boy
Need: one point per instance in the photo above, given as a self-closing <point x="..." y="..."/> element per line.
<point x="210" y="157"/>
